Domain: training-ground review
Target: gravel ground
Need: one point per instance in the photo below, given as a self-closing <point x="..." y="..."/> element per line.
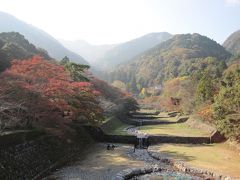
<point x="102" y="164"/>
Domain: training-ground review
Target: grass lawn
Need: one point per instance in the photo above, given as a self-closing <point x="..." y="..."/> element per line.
<point x="147" y="110"/>
<point x="119" y="130"/>
<point x="179" y="129"/>
<point x="162" y="116"/>
<point x="115" y="126"/>
<point x="169" y="119"/>
<point x="220" y="158"/>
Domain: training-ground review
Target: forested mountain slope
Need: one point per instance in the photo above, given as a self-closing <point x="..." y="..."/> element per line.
<point x="14" y="46"/>
<point x="232" y="43"/>
<point x="38" y="37"/>
<point x="181" y="55"/>
<point x="126" y="51"/>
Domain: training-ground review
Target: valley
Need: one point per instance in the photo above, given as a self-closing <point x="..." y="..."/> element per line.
<point x="100" y="163"/>
<point x="120" y="90"/>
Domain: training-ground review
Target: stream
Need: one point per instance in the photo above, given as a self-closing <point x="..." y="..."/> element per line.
<point x="102" y="164"/>
<point x="99" y="163"/>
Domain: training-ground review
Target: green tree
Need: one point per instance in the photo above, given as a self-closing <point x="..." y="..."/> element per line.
<point x="133" y="85"/>
<point x="226" y="107"/>
<point x="65" y="60"/>
<point x="205" y="89"/>
<point x="76" y="70"/>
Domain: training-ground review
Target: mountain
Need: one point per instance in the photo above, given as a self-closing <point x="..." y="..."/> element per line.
<point x="232" y="43"/>
<point x="126" y="51"/>
<point x="38" y="37"/>
<point x="14" y="46"/>
<point x="179" y="56"/>
<point x="90" y="52"/>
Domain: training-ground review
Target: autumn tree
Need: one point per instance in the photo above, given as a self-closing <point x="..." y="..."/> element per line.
<point x="54" y="86"/>
<point x="181" y="88"/>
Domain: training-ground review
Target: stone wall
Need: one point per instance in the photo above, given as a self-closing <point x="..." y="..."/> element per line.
<point x="18" y="137"/>
<point x="178" y="139"/>
<point x="151" y="121"/>
<point x="126" y="139"/>
<point x="100" y="136"/>
<point x="32" y="158"/>
<point x="144" y="122"/>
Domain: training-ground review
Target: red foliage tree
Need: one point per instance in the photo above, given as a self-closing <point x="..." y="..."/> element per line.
<point x="50" y="82"/>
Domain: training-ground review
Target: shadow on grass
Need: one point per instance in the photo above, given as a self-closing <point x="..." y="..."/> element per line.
<point x="195" y="145"/>
<point x="177" y="155"/>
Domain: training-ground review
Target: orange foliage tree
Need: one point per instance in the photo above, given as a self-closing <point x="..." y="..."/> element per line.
<point x="52" y="84"/>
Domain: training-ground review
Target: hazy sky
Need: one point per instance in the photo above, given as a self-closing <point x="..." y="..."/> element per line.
<point x="113" y="21"/>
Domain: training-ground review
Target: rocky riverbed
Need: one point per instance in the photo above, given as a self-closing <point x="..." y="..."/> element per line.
<point x="99" y="163"/>
<point x="126" y="162"/>
<point x="102" y="164"/>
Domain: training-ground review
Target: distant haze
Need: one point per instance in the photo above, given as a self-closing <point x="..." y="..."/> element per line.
<point x="90" y="52"/>
<point x="116" y="21"/>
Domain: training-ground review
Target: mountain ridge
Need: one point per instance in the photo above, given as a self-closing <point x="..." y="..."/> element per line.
<point x="88" y="51"/>
<point x="232" y="43"/>
<point x="38" y="37"/>
<point x="175" y="57"/>
<point x="13" y="45"/>
<point x="127" y="50"/>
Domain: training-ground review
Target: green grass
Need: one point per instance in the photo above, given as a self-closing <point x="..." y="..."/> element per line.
<point x="179" y="129"/>
<point x="168" y="119"/>
<point x="163" y="116"/>
<point x="119" y="130"/>
<point x="115" y="126"/>
<point x="147" y="110"/>
<point x="219" y="158"/>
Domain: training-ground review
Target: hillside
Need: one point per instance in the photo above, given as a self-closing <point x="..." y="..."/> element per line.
<point x="92" y="53"/>
<point x="126" y="51"/>
<point x="38" y="37"/>
<point x="232" y="43"/>
<point x="14" y="46"/>
<point x="179" y="56"/>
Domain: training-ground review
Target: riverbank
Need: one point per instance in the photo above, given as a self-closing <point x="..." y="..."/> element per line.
<point x="99" y="163"/>
<point x="219" y="158"/>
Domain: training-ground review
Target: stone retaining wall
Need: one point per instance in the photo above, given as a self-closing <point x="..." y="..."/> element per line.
<point x="146" y="113"/>
<point x="18" y="137"/>
<point x="144" y="117"/>
<point x="100" y="136"/>
<point x="178" y="139"/>
<point x="31" y="158"/>
<point x="151" y="121"/>
<point x="144" y="122"/>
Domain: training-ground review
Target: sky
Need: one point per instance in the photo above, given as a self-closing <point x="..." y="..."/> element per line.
<point x="115" y="21"/>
